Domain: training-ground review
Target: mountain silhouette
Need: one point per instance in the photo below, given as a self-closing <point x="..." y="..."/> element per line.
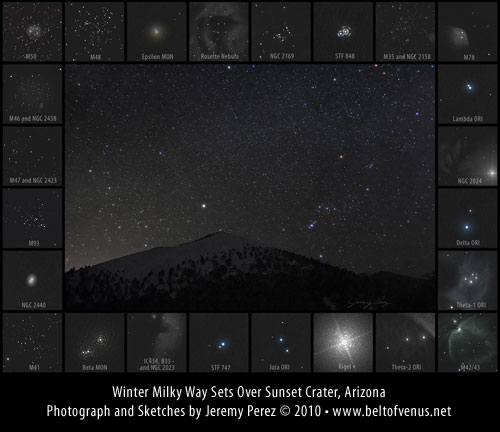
<point x="224" y="272"/>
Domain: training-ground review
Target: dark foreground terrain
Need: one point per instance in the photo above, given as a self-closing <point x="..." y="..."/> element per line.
<point x="222" y="272"/>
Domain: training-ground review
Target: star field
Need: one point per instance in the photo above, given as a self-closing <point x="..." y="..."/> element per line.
<point x="281" y="31"/>
<point x="404" y="28"/>
<point x="32" y="342"/>
<point x="32" y="156"/>
<point x="281" y="342"/>
<point x="94" y="29"/>
<point x="31" y="91"/>
<point x="467" y="94"/>
<point x="467" y="280"/>
<point x="32" y="218"/>
<point x="330" y="162"/>
<point x="405" y="342"/>
<point x="218" y="342"/>
<point x="467" y="218"/>
<point x="32" y="31"/>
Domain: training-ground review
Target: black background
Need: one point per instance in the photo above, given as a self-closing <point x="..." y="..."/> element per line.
<point x="470" y="396"/>
<point x="467" y="395"/>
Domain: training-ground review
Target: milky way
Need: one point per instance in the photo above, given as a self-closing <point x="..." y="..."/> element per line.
<point x="331" y="162"/>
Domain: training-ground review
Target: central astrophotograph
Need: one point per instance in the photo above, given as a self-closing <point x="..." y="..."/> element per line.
<point x="250" y="187"/>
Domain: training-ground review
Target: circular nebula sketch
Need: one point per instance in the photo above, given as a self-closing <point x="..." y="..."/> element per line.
<point x="96" y="344"/>
<point x="220" y="28"/>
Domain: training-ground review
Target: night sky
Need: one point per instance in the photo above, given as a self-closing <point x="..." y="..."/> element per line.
<point x="331" y="162"/>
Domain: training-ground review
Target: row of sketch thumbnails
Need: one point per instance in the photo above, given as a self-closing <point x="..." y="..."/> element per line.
<point x="32" y="94"/>
<point x="279" y="31"/>
<point x="33" y="218"/>
<point x="33" y="156"/>
<point x="467" y="281"/>
<point x="262" y="342"/>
